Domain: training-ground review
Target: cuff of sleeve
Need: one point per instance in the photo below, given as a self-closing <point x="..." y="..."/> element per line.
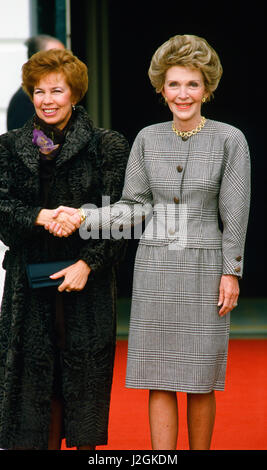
<point x="233" y="266"/>
<point x="94" y="265"/>
<point x="26" y="223"/>
<point x="34" y="216"/>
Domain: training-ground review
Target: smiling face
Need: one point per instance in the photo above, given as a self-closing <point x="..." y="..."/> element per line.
<point x="52" y="99"/>
<point x="183" y="90"/>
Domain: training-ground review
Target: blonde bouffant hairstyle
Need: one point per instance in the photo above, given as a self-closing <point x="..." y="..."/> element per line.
<point x="59" y="61"/>
<point x="188" y="51"/>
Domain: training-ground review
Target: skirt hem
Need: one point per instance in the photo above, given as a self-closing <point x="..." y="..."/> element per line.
<point x="219" y="388"/>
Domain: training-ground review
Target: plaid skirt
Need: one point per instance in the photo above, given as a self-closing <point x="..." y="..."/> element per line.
<point x="177" y="341"/>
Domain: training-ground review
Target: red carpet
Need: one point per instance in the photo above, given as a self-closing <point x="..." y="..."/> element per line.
<point x="241" y="421"/>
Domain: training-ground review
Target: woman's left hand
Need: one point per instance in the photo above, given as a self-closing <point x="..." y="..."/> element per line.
<point x="76" y="276"/>
<point x="229" y="292"/>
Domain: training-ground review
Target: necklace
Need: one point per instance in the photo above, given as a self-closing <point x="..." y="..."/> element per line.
<point x="187" y="134"/>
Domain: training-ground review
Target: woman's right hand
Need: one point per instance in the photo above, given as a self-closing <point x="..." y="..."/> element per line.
<point x="62" y="225"/>
<point x="63" y="213"/>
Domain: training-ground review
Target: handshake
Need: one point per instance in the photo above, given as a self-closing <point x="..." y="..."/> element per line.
<point x="61" y="222"/>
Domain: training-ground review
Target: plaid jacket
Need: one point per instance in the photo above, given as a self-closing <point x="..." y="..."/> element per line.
<point x="194" y="192"/>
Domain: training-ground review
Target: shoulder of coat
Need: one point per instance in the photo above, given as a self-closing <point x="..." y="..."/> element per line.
<point x="226" y="130"/>
<point x="160" y="127"/>
<point x="108" y="138"/>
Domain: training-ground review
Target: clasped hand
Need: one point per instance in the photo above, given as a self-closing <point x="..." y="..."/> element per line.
<point x="60" y="222"/>
<point x="66" y="221"/>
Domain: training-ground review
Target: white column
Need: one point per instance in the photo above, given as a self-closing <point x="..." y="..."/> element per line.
<point x="15" y="18"/>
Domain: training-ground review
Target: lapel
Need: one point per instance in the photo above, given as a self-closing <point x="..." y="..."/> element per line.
<point x="78" y="136"/>
<point x="25" y="149"/>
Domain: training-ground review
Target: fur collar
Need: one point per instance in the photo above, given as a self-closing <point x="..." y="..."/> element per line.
<point x="78" y="136"/>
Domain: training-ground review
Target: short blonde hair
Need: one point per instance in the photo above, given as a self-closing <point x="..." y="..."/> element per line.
<point x="60" y="61"/>
<point x="188" y="51"/>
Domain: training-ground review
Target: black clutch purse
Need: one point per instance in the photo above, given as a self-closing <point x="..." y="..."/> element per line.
<point x="38" y="273"/>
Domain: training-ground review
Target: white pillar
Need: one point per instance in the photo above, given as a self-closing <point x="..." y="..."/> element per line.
<point x="15" y="27"/>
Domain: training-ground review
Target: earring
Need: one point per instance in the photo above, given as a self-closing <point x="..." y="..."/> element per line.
<point x="73" y="107"/>
<point x="203" y="99"/>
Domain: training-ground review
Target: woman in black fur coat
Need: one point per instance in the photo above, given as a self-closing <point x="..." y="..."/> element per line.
<point x="57" y="344"/>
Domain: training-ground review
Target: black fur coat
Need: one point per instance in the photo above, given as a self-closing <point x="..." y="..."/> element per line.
<point x="91" y="164"/>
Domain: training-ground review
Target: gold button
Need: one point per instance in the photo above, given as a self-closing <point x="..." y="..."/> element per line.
<point x="179" y="168"/>
<point x="238" y="258"/>
<point x="238" y="269"/>
<point x="176" y="200"/>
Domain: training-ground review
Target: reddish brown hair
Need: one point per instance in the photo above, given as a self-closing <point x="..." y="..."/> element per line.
<point x="60" y="61"/>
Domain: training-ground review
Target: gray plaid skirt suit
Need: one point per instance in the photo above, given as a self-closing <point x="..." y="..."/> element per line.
<point x="195" y="195"/>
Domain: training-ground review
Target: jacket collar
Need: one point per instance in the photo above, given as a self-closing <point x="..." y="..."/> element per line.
<point x="78" y="135"/>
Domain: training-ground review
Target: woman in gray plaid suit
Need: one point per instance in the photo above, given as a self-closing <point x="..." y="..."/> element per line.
<point x="191" y="178"/>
